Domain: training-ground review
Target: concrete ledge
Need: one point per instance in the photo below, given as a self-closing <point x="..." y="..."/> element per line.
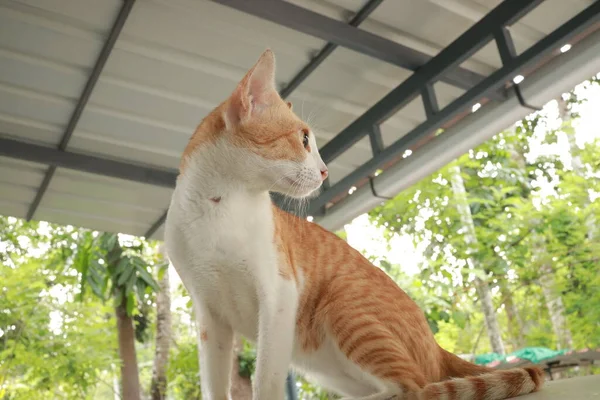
<point x="581" y="388"/>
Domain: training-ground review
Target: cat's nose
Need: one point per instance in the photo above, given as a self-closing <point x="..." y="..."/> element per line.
<point x="324" y="173"/>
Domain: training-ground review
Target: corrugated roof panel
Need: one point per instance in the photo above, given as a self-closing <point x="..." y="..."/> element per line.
<point x="127" y="193"/>
<point x="82" y="204"/>
<point x="41" y="75"/>
<point x="47" y="36"/>
<point x="160" y="233"/>
<point x="28" y="129"/>
<point x="46" y="51"/>
<point x="88" y="15"/>
<point x="19" y="181"/>
<point x="133" y="129"/>
<point x="218" y="32"/>
<point x="175" y="61"/>
<point x="32" y="105"/>
<point x="119" y="149"/>
<point x="548" y="16"/>
<point x="90" y="220"/>
<point x="83" y="199"/>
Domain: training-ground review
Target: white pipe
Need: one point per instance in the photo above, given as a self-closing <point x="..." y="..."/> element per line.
<point x="556" y="77"/>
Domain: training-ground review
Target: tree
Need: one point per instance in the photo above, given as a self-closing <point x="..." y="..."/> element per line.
<point x="515" y="225"/>
<point x="158" y="385"/>
<point x="50" y="346"/>
<point x="118" y="270"/>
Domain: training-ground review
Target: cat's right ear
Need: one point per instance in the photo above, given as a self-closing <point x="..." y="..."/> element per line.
<point x="255" y="92"/>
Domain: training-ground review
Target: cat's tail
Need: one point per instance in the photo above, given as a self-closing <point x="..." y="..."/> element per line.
<point x="473" y="382"/>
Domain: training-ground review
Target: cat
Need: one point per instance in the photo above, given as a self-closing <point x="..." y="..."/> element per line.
<point x="303" y="295"/>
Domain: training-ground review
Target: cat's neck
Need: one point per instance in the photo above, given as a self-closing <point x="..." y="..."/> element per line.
<point x="207" y="182"/>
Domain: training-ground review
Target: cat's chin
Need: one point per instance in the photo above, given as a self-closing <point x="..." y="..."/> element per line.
<point x="296" y="192"/>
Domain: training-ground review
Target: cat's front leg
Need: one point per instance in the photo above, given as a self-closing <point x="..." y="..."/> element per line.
<point x="277" y="324"/>
<point x="215" y="342"/>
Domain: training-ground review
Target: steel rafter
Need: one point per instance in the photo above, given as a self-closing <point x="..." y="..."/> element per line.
<point x="346" y="35"/>
<point x="85" y="163"/>
<point x="491" y="27"/>
<point x="83" y="98"/>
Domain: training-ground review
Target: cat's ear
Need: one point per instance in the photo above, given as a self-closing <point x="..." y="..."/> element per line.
<point x="255" y="92"/>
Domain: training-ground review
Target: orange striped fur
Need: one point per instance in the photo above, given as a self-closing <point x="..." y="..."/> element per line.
<point x="356" y="331"/>
<point x="377" y="325"/>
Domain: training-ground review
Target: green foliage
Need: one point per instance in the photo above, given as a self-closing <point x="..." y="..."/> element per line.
<point x="519" y="228"/>
<point x="247" y="360"/>
<point x="183" y="371"/>
<point x="50" y="347"/>
<point x="56" y="341"/>
<point x="112" y="269"/>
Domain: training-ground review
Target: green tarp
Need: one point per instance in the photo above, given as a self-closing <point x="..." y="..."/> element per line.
<point x="532" y="354"/>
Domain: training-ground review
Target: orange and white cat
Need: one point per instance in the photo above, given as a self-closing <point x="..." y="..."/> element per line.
<point x="304" y="296"/>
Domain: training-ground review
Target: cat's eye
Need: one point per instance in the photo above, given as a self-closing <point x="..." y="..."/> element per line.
<point x="305" y="139"/>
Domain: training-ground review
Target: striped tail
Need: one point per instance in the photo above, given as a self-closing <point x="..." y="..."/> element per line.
<point x="497" y="385"/>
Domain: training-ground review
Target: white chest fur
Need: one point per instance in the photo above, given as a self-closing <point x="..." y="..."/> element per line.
<point x="224" y="252"/>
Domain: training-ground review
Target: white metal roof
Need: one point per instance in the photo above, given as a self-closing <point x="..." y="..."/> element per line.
<point x="177" y="59"/>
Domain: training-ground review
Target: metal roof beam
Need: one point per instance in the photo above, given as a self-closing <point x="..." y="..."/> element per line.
<point x="342" y="34"/>
<point x="457" y="52"/>
<point x="86" y="163"/>
<point x="480" y="34"/>
<point x="156" y="225"/>
<point x="84" y="97"/>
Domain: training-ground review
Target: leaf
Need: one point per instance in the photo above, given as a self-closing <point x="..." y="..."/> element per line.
<point x="140" y="287"/>
<point x="433" y="325"/>
<point x="130" y="283"/>
<point x="118" y="297"/>
<point x="111" y="242"/>
<point x="460" y="318"/>
<point x="147" y="277"/>
<point x="126" y="275"/>
<point x="96" y="288"/>
<point x="162" y="270"/>
<point x="385" y="265"/>
<point x="480" y="200"/>
<point x="121" y="266"/>
<point x="130" y="304"/>
<point x="444" y="316"/>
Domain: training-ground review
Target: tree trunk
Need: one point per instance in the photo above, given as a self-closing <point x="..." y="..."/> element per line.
<point x="514" y="318"/>
<point x="130" y="381"/>
<point x="158" y="385"/>
<point x="489" y="312"/>
<point x="241" y="388"/>
<point x="483" y="289"/>
<point x="556" y="308"/>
